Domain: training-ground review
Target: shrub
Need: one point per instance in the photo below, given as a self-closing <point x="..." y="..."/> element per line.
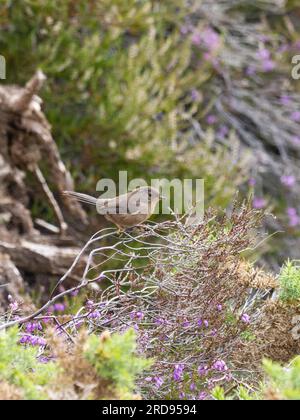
<point x="21" y="374"/>
<point x="289" y="280"/>
<point x="92" y="368"/>
<point x="283" y="382"/>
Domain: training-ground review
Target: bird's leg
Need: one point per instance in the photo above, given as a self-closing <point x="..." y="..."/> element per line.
<point x="120" y="230"/>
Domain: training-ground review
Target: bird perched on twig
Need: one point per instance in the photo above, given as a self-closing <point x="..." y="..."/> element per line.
<point x="126" y="210"/>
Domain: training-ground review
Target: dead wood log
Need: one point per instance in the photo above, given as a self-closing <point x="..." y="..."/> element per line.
<point x="31" y="251"/>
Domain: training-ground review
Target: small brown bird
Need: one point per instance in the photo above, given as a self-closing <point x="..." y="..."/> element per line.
<point x="126" y="210"/>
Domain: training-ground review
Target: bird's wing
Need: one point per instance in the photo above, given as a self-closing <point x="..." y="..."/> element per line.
<point x="117" y="205"/>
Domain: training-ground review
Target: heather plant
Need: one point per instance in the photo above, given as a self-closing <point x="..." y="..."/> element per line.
<point x="202" y="314"/>
<point x="21" y="374"/>
<point x="92" y="368"/>
<point x="127" y="91"/>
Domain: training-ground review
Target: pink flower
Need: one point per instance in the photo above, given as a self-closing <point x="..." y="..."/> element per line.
<point x="220" y="366"/>
<point x="268" y="65"/>
<point x="296" y="140"/>
<point x="196" y="39"/>
<point x="223" y="131"/>
<point x="263" y="54"/>
<point x="195" y="95"/>
<point x="285" y="100"/>
<point x="259" y="203"/>
<point x="288" y="180"/>
<point x="211" y="119"/>
<point x="295" y="116"/>
<point x="250" y="71"/>
<point x="202" y="370"/>
<point x="209" y="38"/>
<point x="245" y="318"/>
<point x="158" y="381"/>
<point x="294" y="219"/>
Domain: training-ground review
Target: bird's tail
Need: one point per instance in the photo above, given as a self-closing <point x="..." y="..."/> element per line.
<point x="83" y="198"/>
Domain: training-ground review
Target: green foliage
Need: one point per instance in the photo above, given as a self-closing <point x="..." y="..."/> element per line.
<point x="218" y="393"/>
<point x="120" y="77"/>
<point x="113" y="357"/>
<point x="283" y="382"/>
<point x="289" y="280"/>
<point x="19" y="367"/>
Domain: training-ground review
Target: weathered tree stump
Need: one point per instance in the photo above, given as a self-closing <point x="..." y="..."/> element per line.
<point x="31" y="248"/>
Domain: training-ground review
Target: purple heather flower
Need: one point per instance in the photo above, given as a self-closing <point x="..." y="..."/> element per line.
<point x="195" y="95"/>
<point x="185" y="29"/>
<point x="74" y="293"/>
<point x="263" y="54"/>
<point x="291" y="211"/>
<point x="148" y="379"/>
<point x="211" y="119"/>
<point x="46" y="319"/>
<point x="283" y="48"/>
<point x="285" y="100"/>
<point x="178" y="372"/>
<point x="214" y="332"/>
<point x="202" y="370"/>
<point x="252" y="182"/>
<point x="33" y="340"/>
<point x="219" y="307"/>
<point x="32" y="326"/>
<point x="245" y="318"/>
<point x="205" y="322"/>
<point x="24" y="339"/>
<point x="199" y="322"/>
<point x="220" y="366"/>
<point x="186" y="324"/>
<point x="223" y="131"/>
<point x="288" y="180"/>
<point x="59" y="307"/>
<point x="250" y="71"/>
<point x="196" y="39"/>
<point x="202" y="396"/>
<point x="192" y="386"/>
<point x="296" y="44"/>
<point x="211" y="39"/>
<point x="94" y="315"/>
<point x="259" y="203"/>
<point x="296" y="140"/>
<point x="137" y="315"/>
<point x="159" y="321"/>
<point x="294" y="219"/>
<point x="14" y="306"/>
<point x="89" y="304"/>
<point x="295" y="116"/>
<point x="78" y="324"/>
<point x="158" y="381"/>
<point x="44" y="359"/>
<point x="181" y="395"/>
<point x="268" y="65"/>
